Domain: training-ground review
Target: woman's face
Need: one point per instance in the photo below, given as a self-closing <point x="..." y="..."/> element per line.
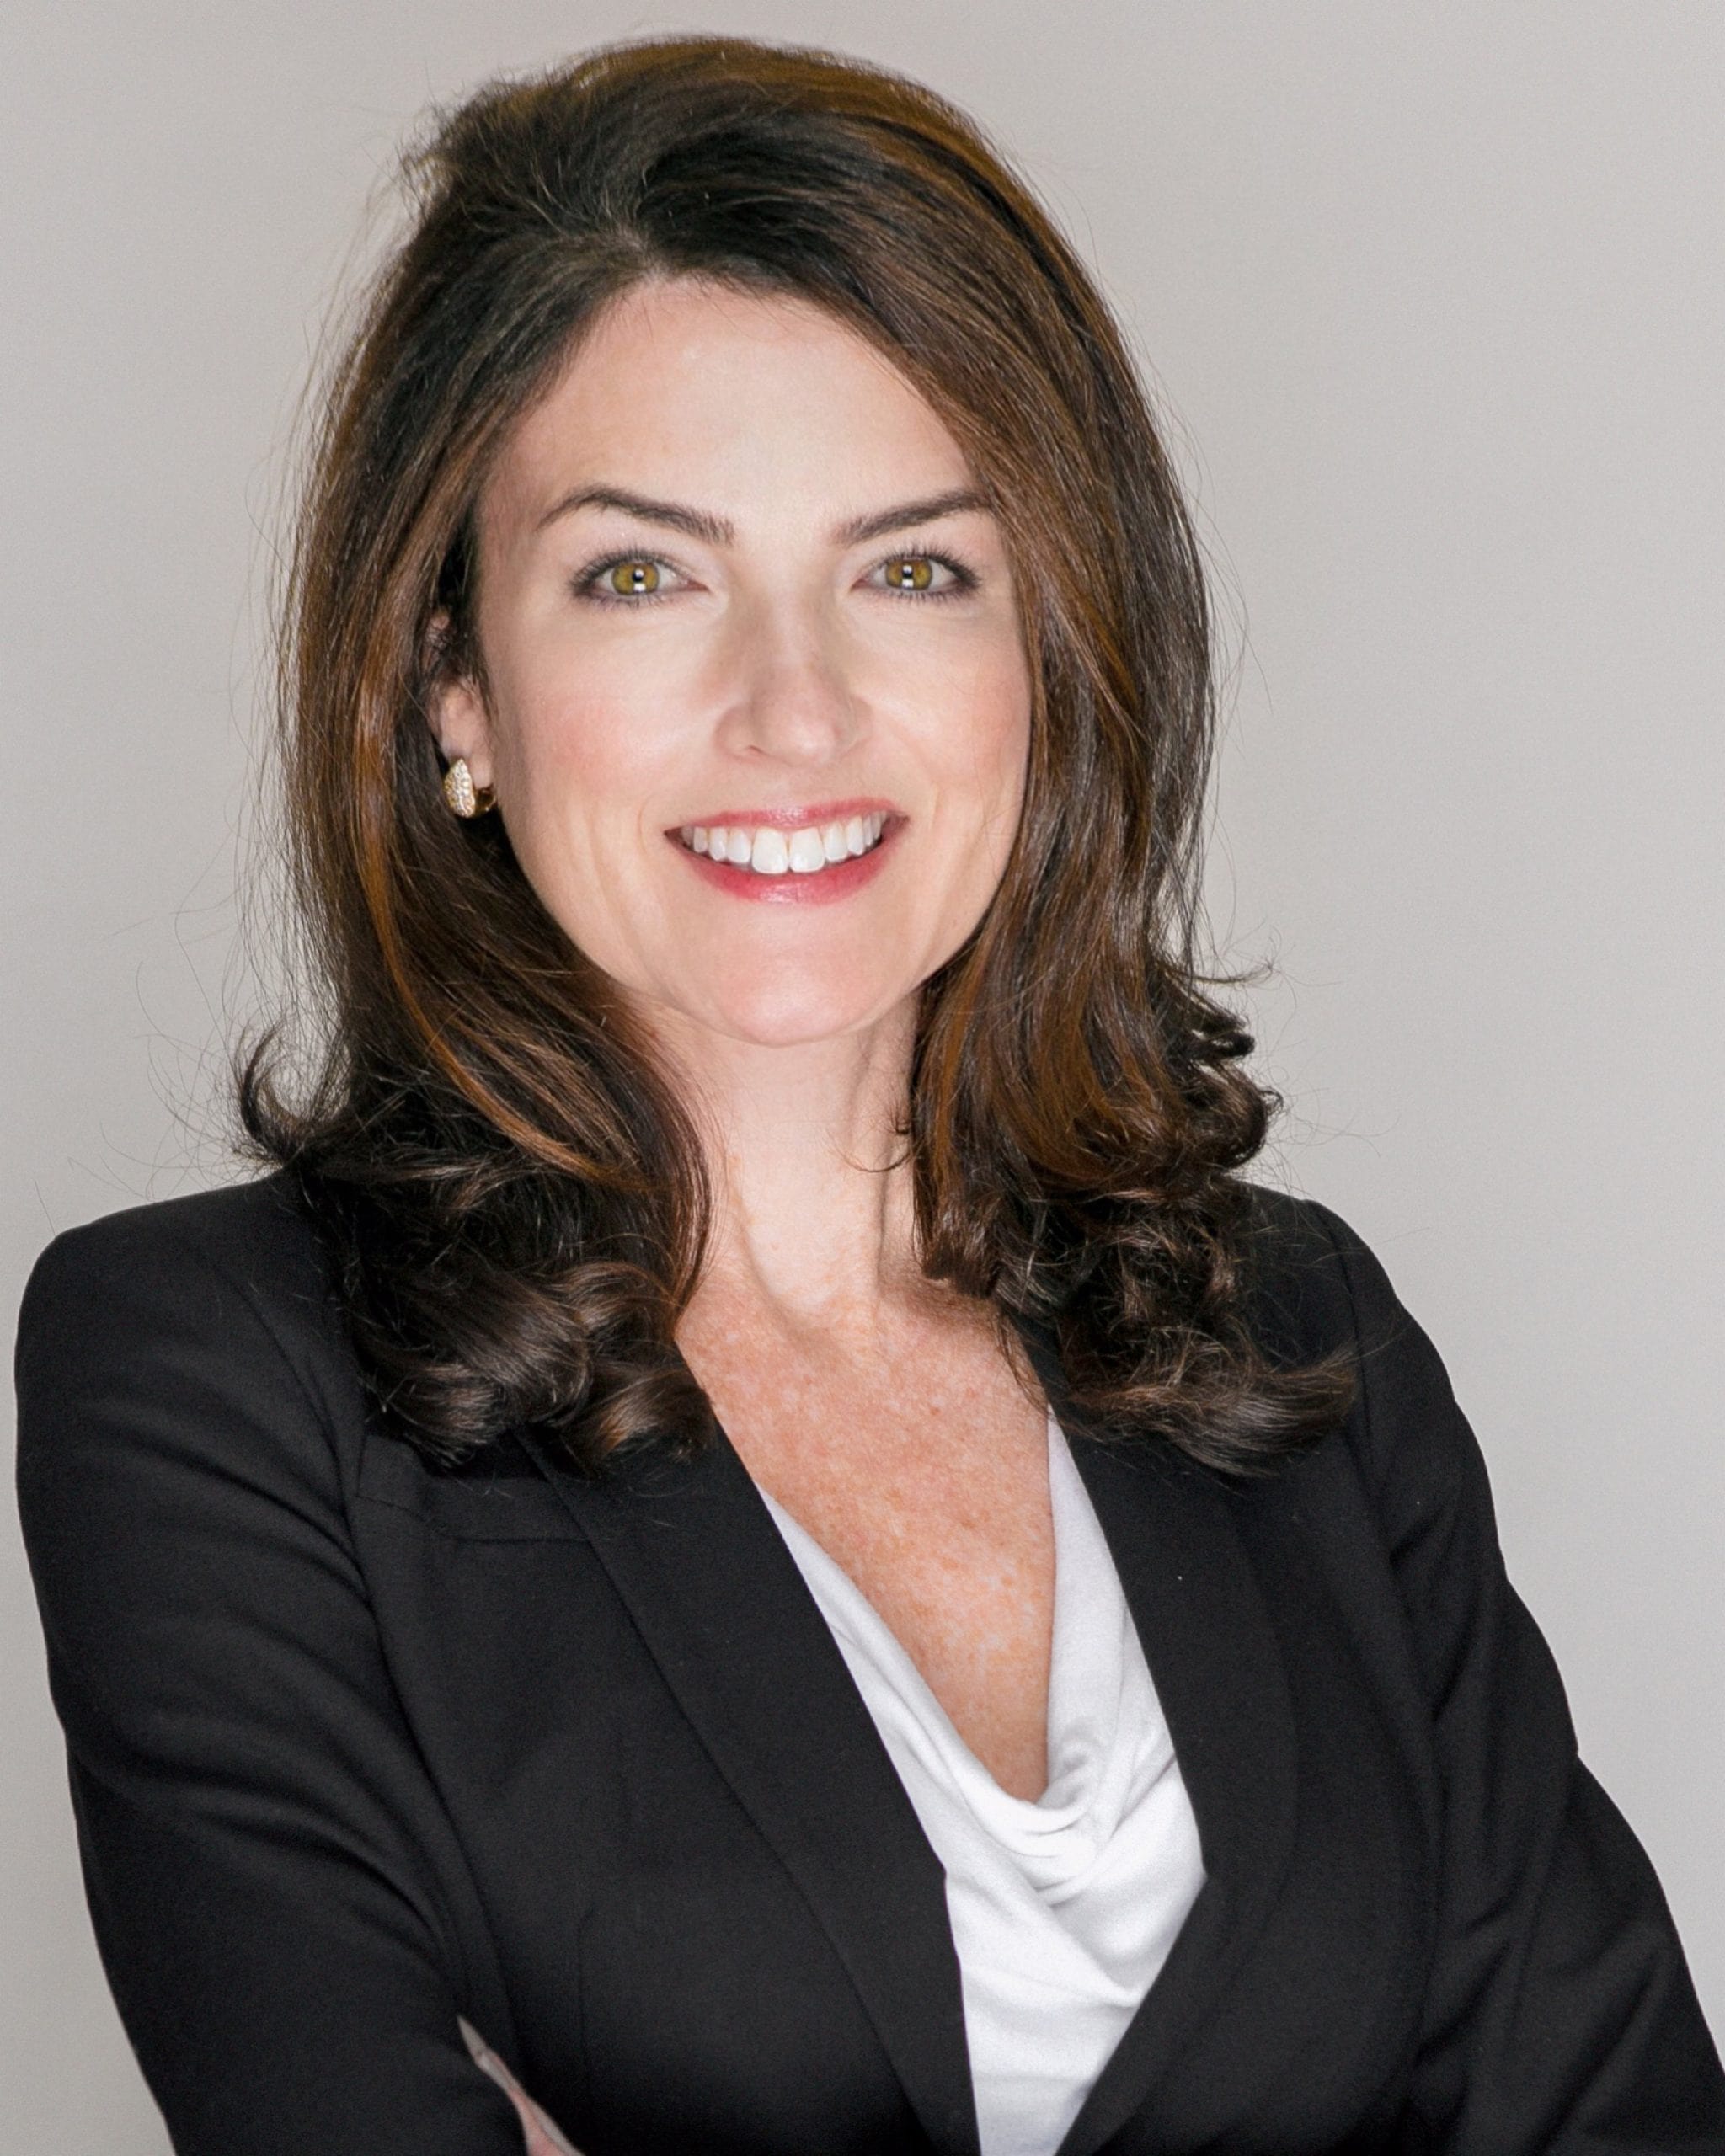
<point x="741" y="615"/>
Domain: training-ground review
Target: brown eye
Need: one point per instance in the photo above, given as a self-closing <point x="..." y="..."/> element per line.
<point x="909" y="572"/>
<point x="629" y="578"/>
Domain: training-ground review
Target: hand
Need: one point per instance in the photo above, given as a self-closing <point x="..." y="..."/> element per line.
<point x="542" y="2135"/>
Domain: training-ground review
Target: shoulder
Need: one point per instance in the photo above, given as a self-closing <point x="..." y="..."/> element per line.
<point x="251" y="1242"/>
<point x="196" y="1327"/>
<point x="1315" y="1287"/>
<point x="1311" y="1281"/>
<point x="258" y="1232"/>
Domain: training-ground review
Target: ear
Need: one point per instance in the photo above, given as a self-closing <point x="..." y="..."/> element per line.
<point x="455" y="708"/>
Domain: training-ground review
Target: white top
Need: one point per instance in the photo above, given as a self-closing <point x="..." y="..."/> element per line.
<point x="1063" y="1910"/>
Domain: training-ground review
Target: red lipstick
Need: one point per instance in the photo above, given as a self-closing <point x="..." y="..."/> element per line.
<point x="826" y="886"/>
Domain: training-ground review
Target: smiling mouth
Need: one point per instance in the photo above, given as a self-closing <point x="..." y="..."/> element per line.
<point x="770" y="852"/>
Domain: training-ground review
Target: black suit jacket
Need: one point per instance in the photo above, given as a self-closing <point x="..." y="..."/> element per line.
<point x="356" y="1747"/>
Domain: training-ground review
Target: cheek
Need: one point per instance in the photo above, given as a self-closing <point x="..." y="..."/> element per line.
<point x="583" y="753"/>
<point x="579" y="775"/>
<point x="584" y="756"/>
<point x="978" y="743"/>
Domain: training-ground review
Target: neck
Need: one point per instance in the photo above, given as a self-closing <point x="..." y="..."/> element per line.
<point x="812" y="1211"/>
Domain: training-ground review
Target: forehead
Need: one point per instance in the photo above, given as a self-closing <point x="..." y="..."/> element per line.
<point x="743" y="400"/>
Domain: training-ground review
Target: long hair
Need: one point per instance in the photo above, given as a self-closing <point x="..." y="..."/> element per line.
<point x="512" y="1191"/>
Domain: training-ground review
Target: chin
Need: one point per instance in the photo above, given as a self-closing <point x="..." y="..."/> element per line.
<point x="792" y="1013"/>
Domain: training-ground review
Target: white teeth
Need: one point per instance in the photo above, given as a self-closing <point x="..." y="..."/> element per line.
<point x="770" y="856"/>
<point x="771" y="852"/>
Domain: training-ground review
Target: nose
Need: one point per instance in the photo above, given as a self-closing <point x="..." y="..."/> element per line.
<point x="791" y="696"/>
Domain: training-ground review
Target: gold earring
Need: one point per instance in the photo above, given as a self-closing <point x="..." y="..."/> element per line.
<point x="460" y="791"/>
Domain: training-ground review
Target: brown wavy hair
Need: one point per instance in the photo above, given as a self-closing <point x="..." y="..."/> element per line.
<point x="514" y="1195"/>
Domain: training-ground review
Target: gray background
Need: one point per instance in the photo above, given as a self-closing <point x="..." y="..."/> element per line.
<point x="1434" y="297"/>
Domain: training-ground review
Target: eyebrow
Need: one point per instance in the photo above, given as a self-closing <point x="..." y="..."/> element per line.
<point x="720" y="531"/>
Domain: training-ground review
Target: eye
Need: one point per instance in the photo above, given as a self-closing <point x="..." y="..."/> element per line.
<point x="624" y="580"/>
<point x="637" y="578"/>
<point x="915" y="573"/>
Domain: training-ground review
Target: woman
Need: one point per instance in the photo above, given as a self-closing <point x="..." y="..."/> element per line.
<point x="756" y="1516"/>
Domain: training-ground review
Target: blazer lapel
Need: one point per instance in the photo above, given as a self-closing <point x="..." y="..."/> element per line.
<point x="1218" y="1671"/>
<point x="694" y="1554"/>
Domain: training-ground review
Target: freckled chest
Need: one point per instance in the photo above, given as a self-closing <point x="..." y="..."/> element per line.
<point x="917" y="1460"/>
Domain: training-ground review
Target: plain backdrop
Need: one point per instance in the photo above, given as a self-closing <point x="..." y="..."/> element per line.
<point x="1432" y="297"/>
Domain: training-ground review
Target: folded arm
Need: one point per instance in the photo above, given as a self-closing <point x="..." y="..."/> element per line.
<point x="255" y="1826"/>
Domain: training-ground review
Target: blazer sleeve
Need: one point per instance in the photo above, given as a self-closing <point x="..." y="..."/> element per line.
<point x="253" y="1820"/>
<point x="1560" y="2017"/>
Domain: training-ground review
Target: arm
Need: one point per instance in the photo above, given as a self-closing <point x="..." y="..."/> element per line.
<point x="1561" y="2018"/>
<point x="253" y="1820"/>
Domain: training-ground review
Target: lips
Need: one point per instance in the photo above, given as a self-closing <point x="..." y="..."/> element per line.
<point x="800" y="859"/>
<point x="766" y="850"/>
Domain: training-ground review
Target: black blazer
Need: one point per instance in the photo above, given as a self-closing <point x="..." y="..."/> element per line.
<point x="356" y="1747"/>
